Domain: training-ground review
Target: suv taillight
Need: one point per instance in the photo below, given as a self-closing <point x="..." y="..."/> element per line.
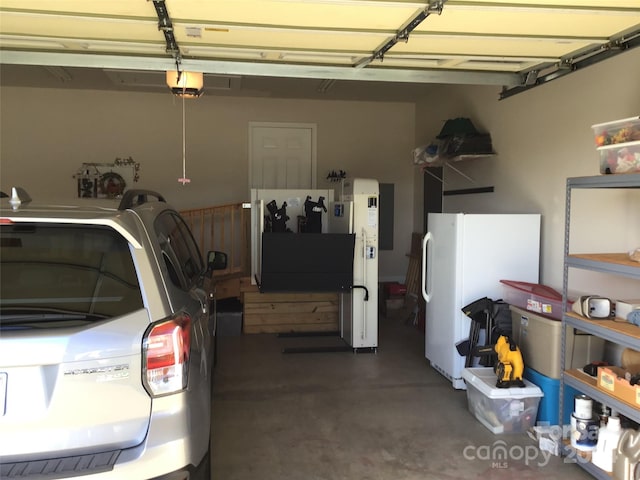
<point x="165" y="349"/>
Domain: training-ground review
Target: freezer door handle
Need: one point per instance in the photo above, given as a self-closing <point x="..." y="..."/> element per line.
<point x="425" y="294"/>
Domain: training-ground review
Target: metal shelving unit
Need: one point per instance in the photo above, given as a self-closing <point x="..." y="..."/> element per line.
<point x="621" y="333"/>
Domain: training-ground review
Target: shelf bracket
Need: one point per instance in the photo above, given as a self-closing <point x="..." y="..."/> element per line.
<point x="466" y="191"/>
<point x="426" y="170"/>
<point x="460" y="173"/>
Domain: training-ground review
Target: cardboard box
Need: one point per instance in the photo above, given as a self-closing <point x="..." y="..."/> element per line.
<point x="612" y="380"/>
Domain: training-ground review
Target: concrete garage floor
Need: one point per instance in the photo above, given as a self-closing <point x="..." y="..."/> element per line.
<point x="333" y="416"/>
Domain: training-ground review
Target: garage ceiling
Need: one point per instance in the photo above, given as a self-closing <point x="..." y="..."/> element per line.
<point x="516" y="44"/>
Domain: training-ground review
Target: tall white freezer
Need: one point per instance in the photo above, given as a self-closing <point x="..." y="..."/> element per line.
<point x="464" y="258"/>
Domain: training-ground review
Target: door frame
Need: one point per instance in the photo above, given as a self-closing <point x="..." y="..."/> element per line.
<point x="311" y="126"/>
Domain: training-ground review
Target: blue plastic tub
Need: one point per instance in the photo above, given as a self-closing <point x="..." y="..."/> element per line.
<point x="550" y="403"/>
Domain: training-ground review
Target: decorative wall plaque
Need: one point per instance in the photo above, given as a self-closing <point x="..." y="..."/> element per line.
<point x="106" y="180"/>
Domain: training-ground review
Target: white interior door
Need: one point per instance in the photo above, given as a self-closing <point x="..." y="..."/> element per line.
<point x="282" y="155"/>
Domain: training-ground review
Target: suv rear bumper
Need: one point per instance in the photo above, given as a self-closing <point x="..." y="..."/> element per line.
<point x="190" y="473"/>
<point x="172" y="446"/>
<point x="172" y="449"/>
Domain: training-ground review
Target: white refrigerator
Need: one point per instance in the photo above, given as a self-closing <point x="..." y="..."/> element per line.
<point x="464" y="257"/>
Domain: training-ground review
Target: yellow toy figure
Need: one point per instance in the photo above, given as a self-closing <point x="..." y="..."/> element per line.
<point x="510" y="365"/>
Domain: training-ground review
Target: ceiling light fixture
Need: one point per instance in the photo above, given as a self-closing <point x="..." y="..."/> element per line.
<point x="185" y="84"/>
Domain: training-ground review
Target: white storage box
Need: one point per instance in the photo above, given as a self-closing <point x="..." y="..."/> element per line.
<point x="501" y="410"/>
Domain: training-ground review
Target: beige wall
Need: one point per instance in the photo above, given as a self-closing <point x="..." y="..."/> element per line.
<point x="543" y="136"/>
<point x="46" y="134"/>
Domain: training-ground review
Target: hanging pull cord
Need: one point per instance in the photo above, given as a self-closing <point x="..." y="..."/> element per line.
<point x="184" y="180"/>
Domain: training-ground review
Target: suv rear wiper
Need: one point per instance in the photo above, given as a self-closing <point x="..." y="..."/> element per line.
<point x="24" y="319"/>
<point x="42" y="316"/>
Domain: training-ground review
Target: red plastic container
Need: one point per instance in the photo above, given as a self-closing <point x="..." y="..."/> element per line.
<point x="534" y="297"/>
<point x="395" y="289"/>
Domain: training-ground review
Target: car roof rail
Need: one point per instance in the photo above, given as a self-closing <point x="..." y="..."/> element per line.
<point x="18" y="196"/>
<point x="132" y="198"/>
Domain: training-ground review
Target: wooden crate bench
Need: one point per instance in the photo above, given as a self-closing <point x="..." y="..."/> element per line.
<point x="289" y="312"/>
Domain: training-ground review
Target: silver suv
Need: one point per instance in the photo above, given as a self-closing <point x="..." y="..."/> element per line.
<point x="107" y="323"/>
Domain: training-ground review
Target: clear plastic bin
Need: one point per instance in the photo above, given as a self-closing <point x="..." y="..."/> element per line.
<point x="501" y="410"/>
<point x="620" y="158"/>
<point x="617" y="131"/>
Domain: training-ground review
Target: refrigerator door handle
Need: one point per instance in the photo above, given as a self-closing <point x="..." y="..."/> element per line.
<point x="427" y="238"/>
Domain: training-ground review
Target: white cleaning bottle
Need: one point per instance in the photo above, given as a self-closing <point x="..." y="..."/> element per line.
<point x="608" y="438"/>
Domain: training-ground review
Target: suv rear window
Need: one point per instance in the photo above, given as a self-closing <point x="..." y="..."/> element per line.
<point x="53" y="271"/>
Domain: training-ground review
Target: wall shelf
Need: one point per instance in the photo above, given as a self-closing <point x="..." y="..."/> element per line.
<point x="447" y="162"/>
<point x="470" y="156"/>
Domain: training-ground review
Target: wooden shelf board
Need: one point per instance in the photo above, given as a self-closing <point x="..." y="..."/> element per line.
<point x="614" y="258"/>
<point x="593" y="383"/>
<point x="618" y="326"/>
